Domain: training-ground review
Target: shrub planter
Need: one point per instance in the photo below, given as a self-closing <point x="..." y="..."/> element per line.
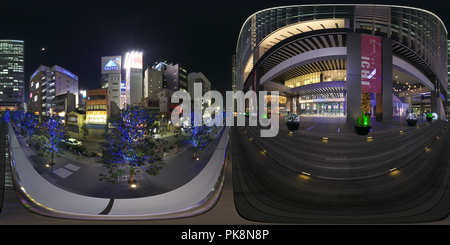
<point x="411" y="118"/>
<point x="429" y="118"/>
<point x="292" y="121"/>
<point x="411" y="122"/>
<point x="292" y="125"/>
<point x="363" y="124"/>
<point x="362" y="130"/>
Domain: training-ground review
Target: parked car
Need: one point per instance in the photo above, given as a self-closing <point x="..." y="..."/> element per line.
<point x="72" y="141"/>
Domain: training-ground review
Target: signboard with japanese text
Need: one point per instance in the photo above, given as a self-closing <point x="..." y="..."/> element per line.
<point x="96" y="117"/>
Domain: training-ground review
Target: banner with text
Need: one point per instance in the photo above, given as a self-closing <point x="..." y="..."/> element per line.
<point x="370" y="64"/>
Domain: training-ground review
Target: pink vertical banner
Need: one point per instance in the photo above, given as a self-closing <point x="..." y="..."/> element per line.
<point x="370" y="64"/>
<point x="254" y="81"/>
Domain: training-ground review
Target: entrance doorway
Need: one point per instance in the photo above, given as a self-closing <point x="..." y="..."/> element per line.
<point x="323" y="108"/>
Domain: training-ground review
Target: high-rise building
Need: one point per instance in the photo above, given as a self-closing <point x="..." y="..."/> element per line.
<point x="176" y="77"/>
<point x="233" y="81"/>
<point x="321" y="57"/>
<point x="153" y="82"/>
<point x="133" y="65"/>
<point x="112" y="77"/>
<point x="233" y="73"/>
<point x="47" y="83"/>
<point x="12" y="92"/>
<point x="198" y="77"/>
<point x="448" y="76"/>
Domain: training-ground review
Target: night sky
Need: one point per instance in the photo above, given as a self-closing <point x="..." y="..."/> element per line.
<point x="199" y="35"/>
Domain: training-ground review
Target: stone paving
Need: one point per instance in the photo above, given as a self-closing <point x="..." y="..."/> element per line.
<point x="396" y="176"/>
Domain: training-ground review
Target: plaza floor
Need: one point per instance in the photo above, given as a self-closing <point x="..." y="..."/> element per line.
<point x="338" y="126"/>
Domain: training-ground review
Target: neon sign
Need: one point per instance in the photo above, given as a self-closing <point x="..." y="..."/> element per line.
<point x="69" y="74"/>
<point x="34" y="74"/>
<point x="66" y="72"/>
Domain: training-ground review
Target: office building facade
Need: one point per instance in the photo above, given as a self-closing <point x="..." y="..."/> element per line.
<point x="48" y="82"/>
<point x="200" y="78"/>
<point x="176" y="77"/>
<point x="12" y="86"/>
<point x="133" y="64"/>
<point x="322" y="57"/>
<point x="62" y="104"/>
<point x="111" y="70"/>
<point x="99" y="108"/>
<point x="153" y="82"/>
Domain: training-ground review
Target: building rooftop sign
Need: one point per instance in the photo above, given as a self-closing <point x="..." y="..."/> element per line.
<point x="111" y="64"/>
<point x="66" y="72"/>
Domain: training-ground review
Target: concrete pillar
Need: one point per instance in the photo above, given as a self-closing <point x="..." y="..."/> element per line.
<point x="384" y="109"/>
<point x="408" y="100"/>
<point x="353" y="102"/>
<point x="289" y="104"/>
<point x="433" y="104"/>
<point x="422" y="108"/>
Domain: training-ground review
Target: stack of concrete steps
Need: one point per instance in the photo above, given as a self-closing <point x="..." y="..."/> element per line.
<point x="302" y="178"/>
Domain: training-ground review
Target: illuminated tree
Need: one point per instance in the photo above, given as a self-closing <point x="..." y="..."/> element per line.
<point x="365" y="102"/>
<point x="195" y="138"/>
<point x="6" y="115"/>
<point x="17" y="117"/>
<point x="50" y="136"/>
<point x="29" y="126"/>
<point x="128" y="145"/>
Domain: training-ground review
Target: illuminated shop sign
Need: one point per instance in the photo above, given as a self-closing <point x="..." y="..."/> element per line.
<point x="34" y="74"/>
<point x="96" y="117"/>
<point x="66" y="72"/>
<point x="111" y="66"/>
<point x="370" y="64"/>
<point x="122" y="87"/>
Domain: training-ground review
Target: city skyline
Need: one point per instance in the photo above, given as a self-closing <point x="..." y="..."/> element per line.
<point x="199" y="35"/>
<point x="345" y="121"/>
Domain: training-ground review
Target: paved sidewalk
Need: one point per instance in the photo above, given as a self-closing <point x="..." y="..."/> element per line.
<point x="339" y="127"/>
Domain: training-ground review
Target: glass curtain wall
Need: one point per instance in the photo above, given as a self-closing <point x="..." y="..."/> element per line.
<point x="316" y="77"/>
<point x="322" y="104"/>
<point x="323" y="109"/>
